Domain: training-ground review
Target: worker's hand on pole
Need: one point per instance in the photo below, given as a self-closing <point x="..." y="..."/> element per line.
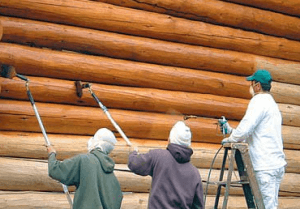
<point x="50" y="149"/>
<point x="133" y="148"/>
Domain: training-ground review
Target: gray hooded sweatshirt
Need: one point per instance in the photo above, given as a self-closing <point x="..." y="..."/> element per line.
<point x="176" y="183"/>
<point x="92" y="174"/>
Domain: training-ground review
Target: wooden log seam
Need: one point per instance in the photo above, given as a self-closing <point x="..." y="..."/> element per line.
<point x="217" y="12"/>
<point x="72" y="66"/>
<point x="56" y="36"/>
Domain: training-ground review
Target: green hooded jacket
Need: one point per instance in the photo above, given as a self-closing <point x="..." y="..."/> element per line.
<point x="92" y="174"/>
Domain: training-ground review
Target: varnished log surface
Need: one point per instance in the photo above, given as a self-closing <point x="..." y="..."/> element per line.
<point x="57" y="36"/>
<point x="221" y="13"/>
<point x="68" y="119"/>
<point x="73" y="66"/>
<point x="31" y="145"/>
<point x="148" y="99"/>
<point x="291" y="7"/>
<point x="129" y="98"/>
<point x="64" y="118"/>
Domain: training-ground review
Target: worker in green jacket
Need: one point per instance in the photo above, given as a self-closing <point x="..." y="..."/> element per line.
<point x="91" y="173"/>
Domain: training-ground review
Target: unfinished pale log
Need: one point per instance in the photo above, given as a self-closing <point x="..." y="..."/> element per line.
<point x="286" y="93"/>
<point x="218" y="12"/>
<point x="56" y="36"/>
<point x="291" y="7"/>
<point x="290" y="113"/>
<point x="108" y="17"/>
<point x="32" y="175"/>
<point x="128" y="98"/>
<point x="33" y="200"/>
<point x="31" y="145"/>
<point x="63" y="65"/>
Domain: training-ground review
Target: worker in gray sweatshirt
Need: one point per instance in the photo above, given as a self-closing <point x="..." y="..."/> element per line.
<point x="92" y="173"/>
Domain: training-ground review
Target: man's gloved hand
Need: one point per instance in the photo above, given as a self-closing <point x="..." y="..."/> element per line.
<point x="228" y="140"/>
<point x="227" y="128"/>
<point x="50" y="149"/>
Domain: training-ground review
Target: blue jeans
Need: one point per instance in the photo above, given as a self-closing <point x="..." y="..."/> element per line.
<point x="269" y="183"/>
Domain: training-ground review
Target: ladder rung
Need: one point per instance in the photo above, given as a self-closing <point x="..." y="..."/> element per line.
<point x="224" y="182"/>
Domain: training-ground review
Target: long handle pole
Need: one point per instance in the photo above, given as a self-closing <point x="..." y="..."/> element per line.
<point x="105" y="110"/>
<point x="65" y="188"/>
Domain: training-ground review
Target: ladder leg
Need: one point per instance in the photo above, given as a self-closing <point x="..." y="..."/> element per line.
<point x="229" y="175"/>
<point x="243" y="176"/>
<point x="221" y="178"/>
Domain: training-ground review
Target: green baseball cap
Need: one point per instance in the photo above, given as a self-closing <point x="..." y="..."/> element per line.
<point x="262" y="76"/>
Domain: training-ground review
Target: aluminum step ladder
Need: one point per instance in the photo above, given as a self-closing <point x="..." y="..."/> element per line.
<point x="239" y="154"/>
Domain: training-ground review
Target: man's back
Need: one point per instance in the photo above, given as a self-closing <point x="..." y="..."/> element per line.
<point x="92" y="174"/>
<point x="175" y="182"/>
<point x="266" y="144"/>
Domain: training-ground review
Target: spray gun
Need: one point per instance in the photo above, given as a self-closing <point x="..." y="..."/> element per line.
<point x="221" y="123"/>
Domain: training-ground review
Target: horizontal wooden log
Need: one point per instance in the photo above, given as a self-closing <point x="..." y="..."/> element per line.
<point x="63" y="65"/>
<point x="31" y="145"/>
<point x="146" y="99"/>
<point x="217" y="12"/>
<point x="152" y="100"/>
<point x="291" y="7"/>
<point x="108" y="17"/>
<point x="129" y="98"/>
<point x="142" y="99"/>
<point x="66" y="119"/>
<point x="31" y="175"/>
<point x="57" y="36"/>
<point x="33" y="200"/>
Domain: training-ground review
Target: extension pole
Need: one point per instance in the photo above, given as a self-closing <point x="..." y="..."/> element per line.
<point x="105" y="110"/>
<point x="65" y="188"/>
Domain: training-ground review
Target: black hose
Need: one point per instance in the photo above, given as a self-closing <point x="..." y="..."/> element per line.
<point x="209" y="173"/>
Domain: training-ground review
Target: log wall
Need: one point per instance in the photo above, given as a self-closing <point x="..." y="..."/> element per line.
<point x="151" y="62"/>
